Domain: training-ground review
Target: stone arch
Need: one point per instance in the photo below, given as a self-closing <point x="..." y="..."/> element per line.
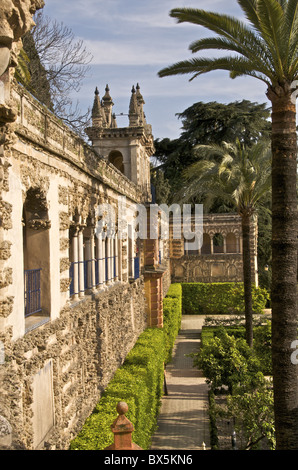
<point x="116" y="158"/>
<point x="218" y="243"/>
<point x="206" y="247"/>
<point x="36" y="253"/>
<point x="231" y="241"/>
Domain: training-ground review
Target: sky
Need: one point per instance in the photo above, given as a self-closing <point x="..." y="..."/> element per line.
<point x="131" y="40"/>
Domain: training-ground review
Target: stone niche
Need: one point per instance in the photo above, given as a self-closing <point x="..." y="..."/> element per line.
<point x="43" y="404"/>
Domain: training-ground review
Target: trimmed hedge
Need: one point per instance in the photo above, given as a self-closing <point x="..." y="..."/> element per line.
<point x="219" y="298"/>
<point x="172" y="315"/>
<point x="138" y="382"/>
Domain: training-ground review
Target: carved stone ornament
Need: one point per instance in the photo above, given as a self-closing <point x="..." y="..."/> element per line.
<point x="38" y="223"/>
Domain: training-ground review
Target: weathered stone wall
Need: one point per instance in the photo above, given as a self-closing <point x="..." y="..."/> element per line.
<point x="214" y="261"/>
<point x="56" y="364"/>
<point x="208" y="268"/>
<point x="85" y="346"/>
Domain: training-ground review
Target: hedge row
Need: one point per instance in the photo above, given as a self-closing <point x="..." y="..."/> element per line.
<point x="172" y="314"/>
<point x="219" y="298"/>
<point x="138" y="382"/>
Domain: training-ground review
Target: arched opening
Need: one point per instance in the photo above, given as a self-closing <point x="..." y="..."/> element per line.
<point x="36" y="253"/>
<point x="116" y="158"/>
<point x="218" y="243"/>
<point x="231" y="243"/>
<point x="206" y="247"/>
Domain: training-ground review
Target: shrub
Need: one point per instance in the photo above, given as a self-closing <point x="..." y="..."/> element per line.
<point x="172" y="313"/>
<point x="227" y="361"/>
<point x="253" y="414"/>
<point x="219" y="298"/>
<point x="261" y="344"/>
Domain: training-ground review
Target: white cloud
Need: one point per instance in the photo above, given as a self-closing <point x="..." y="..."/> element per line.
<point x="132" y="53"/>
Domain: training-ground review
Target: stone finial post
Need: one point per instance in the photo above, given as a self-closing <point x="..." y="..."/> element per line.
<point x="122" y="429"/>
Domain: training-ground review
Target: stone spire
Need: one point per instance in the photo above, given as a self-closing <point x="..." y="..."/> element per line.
<point x="114" y="122"/>
<point x="108" y="106"/>
<point x="140" y="102"/>
<point x="133" y="113"/>
<point x="98" y="115"/>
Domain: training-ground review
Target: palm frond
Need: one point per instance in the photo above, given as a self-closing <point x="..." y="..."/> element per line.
<point x="230" y="28"/>
<point x="291" y="21"/>
<point x="249" y="8"/>
<point x="272" y="24"/>
<point x="265" y="49"/>
<point x="237" y="66"/>
<point x="240" y="178"/>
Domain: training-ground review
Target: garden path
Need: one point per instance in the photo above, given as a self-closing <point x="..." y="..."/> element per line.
<point x="183" y="422"/>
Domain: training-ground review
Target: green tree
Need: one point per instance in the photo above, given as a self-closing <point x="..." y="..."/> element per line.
<point x="208" y="123"/>
<point x="228" y="362"/>
<point x="266" y="48"/>
<point x="240" y="177"/>
<point x="161" y="186"/>
<point x="213" y="122"/>
<point x="252" y="412"/>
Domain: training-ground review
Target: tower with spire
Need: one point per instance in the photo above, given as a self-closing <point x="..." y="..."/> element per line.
<point x="127" y="148"/>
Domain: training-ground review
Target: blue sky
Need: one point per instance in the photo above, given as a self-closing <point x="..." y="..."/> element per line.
<point x="131" y="40"/>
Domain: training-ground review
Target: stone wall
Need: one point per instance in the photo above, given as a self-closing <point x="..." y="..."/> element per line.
<point x="218" y="258"/>
<point x="82" y="349"/>
<point x="208" y="268"/>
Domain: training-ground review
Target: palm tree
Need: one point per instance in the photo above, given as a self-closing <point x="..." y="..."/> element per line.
<point x="266" y="47"/>
<point x="240" y="177"/>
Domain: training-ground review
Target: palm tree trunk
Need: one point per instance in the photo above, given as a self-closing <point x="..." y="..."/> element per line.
<point x="247" y="278"/>
<point x="284" y="268"/>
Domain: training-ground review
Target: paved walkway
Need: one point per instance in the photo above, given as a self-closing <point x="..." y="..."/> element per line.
<point x="183" y="422"/>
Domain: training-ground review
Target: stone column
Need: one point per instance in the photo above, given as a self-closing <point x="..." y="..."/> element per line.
<point x="88" y="263"/>
<point x="116" y="258"/>
<point x="153" y="280"/>
<point x="75" y="252"/>
<point x="225" y="244"/>
<point x="108" y="257"/>
<point x="211" y="245"/>
<point x="81" y="262"/>
<point x="156" y="301"/>
<point x="130" y="252"/>
<point x="103" y="263"/>
<point x="92" y="248"/>
<point x="99" y="261"/>
<point x="112" y="260"/>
